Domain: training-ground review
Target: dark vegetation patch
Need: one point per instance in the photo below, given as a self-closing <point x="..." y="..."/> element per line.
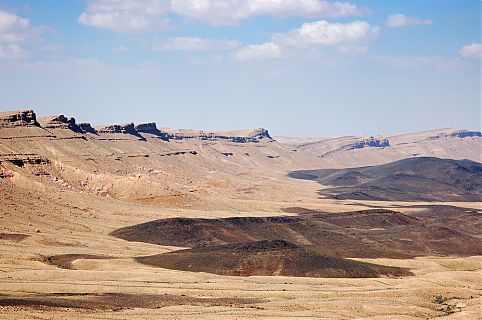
<point x="413" y="179"/>
<point x="15" y="237"/>
<point x="64" y="261"/>
<point x="115" y="301"/>
<point x="268" y="258"/>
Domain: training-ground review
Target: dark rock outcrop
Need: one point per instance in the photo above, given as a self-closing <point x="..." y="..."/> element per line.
<point x="457" y="134"/>
<point x="59" y="122"/>
<point x="369" y="142"/>
<point x="22" y="118"/>
<point x="363" y="143"/>
<point x="118" y="128"/>
<point x="87" y="128"/>
<point x="255" y="135"/>
<point x="151" y="128"/>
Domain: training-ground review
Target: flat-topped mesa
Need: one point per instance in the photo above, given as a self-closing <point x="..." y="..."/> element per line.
<point x="151" y="128"/>
<point x="23" y="118"/>
<point x="59" y="122"/>
<point x="87" y="128"/>
<point x="457" y="134"/>
<point x="118" y="128"/>
<point x="239" y="136"/>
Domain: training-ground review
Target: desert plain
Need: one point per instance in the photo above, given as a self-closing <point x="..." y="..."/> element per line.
<point x="67" y="189"/>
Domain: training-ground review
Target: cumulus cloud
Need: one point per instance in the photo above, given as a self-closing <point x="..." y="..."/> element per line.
<point x="231" y="12"/>
<point x="349" y="39"/>
<point x="194" y="44"/>
<point x="325" y="33"/>
<point x="126" y="15"/>
<point x="401" y="20"/>
<point x="149" y="15"/>
<point x="268" y="50"/>
<point x="473" y="50"/>
<point x="13" y="28"/>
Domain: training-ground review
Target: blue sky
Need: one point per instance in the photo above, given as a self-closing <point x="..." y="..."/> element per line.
<point x="296" y="67"/>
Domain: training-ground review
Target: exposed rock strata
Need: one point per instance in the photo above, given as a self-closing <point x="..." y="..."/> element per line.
<point x="23" y="118"/>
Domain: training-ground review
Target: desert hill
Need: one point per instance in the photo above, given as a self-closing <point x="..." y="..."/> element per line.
<point x="353" y="151"/>
<point x="268" y="258"/>
<point x="413" y="179"/>
<point x="88" y="213"/>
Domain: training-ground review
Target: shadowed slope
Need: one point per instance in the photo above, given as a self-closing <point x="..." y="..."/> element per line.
<point x="415" y="179"/>
<point x="364" y="234"/>
<point x="268" y="258"/>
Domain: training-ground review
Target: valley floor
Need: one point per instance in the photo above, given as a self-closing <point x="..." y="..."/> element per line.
<point x="120" y="288"/>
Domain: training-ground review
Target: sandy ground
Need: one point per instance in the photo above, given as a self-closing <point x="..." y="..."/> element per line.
<point x="70" y="217"/>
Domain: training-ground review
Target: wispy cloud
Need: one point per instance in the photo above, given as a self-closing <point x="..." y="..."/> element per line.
<point x="401" y="20"/>
<point x="268" y="50"/>
<point x="135" y="16"/>
<point x="437" y="62"/>
<point x="126" y="15"/>
<point x="194" y="44"/>
<point x="231" y="12"/>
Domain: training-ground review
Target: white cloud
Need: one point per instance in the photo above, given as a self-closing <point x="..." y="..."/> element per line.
<point x="268" y="50"/>
<point x="148" y="15"/>
<point x="231" y="12"/>
<point x="401" y="20"/>
<point x="194" y="44"/>
<point x="13" y="28"/>
<point x="329" y="34"/>
<point x="473" y="50"/>
<point x="126" y="15"/>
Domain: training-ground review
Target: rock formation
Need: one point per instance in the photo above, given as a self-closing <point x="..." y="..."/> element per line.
<point x="18" y="119"/>
<point x="59" y="122"/>
<point x="457" y="134"/>
<point x="87" y="128"/>
<point x="118" y="128"/>
<point x="151" y="128"/>
<point x="242" y="136"/>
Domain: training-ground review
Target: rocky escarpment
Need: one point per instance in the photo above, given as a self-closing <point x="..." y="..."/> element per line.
<point x="23" y="118"/>
<point x="59" y="122"/>
<point x="363" y="143"/>
<point x="118" y="128"/>
<point x="28" y="118"/>
<point x="87" y="128"/>
<point x="244" y="136"/>
<point x="457" y="134"/>
<point x="151" y="128"/>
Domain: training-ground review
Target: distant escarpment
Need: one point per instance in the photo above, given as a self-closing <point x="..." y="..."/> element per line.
<point x="414" y="179"/>
<point x="370" y="142"/>
<point x="11" y="119"/>
<point x="457" y="134"/>
<point x="142" y="131"/>
<point x="240" y="136"/>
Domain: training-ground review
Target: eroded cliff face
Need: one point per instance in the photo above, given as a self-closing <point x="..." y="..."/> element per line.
<point x="22" y="118"/>
<point x="457" y="134"/>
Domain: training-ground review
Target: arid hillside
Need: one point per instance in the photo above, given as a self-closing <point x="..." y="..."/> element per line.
<point x="135" y="221"/>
